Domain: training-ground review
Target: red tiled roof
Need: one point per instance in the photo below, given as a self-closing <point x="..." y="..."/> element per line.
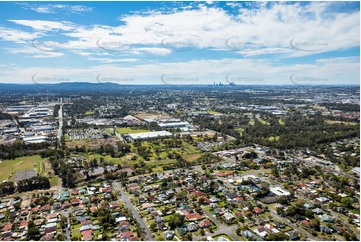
<point x="87" y="232"/>
<point x="122" y="223"/>
<point x="24" y="224"/>
<point x="193" y="216"/>
<point x="45" y="207"/>
<point x="65" y="205"/>
<point x="127" y="234"/>
<point x="35" y="210"/>
<point x="205" y="223"/>
<point x="74" y="192"/>
<point x="198" y="193"/>
<point x="7" y="227"/>
<point x="257" y="210"/>
<point x="306" y="223"/>
<point x="135" y="238"/>
<point x="52" y="215"/>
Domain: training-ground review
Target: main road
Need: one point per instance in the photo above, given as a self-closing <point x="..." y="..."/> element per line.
<point x="136" y="215"/>
<point x="60" y="129"/>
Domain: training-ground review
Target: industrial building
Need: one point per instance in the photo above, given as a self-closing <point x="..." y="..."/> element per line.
<point x="147" y="135"/>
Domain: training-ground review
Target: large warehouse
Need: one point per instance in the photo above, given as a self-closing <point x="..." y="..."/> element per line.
<point x="147" y="135"/>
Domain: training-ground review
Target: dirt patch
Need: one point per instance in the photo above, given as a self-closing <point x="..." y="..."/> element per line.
<point x="143" y="115"/>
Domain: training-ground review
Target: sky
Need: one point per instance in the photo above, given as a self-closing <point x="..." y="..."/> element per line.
<point x="180" y="43"/>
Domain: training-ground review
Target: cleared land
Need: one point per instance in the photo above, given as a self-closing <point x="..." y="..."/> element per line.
<point x="142" y="115"/>
<point x="91" y="143"/>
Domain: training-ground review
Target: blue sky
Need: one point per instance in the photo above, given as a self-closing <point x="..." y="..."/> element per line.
<point x="248" y="43"/>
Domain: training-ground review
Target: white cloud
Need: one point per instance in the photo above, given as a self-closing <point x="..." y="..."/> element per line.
<point x="335" y="71"/>
<point x="53" y="8"/>
<point x="110" y="60"/>
<point x="17" y="36"/>
<point x="43" y="25"/>
<point x="274" y="28"/>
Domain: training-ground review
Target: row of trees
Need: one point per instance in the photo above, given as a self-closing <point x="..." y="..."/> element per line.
<point x="33" y="183"/>
<point x="19" y="148"/>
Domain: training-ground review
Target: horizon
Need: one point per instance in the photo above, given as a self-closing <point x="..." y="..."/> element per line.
<point x="179" y="43"/>
<point x="163" y="84"/>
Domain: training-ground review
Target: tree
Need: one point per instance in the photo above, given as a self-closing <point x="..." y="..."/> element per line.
<point x="33" y="233"/>
<point x="7" y="187"/>
<point x="277" y="236"/>
<point x="153" y="227"/>
<point x="315" y="223"/>
<point x="175" y="220"/>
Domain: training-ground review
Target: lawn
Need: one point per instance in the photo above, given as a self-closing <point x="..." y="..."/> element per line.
<point x="272" y="138"/>
<point x="214" y="112"/>
<point x="157" y="169"/>
<point x="222" y="235"/>
<point x="66" y="138"/>
<point x="340" y="122"/>
<point x="263" y="121"/>
<point x="90" y="156"/>
<point x="53" y="180"/>
<point x="9" y="167"/>
<point x="130" y="130"/>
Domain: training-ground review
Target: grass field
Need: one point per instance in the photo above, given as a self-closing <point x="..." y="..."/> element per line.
<point x="272" y="138"/>
<point x="214" y="112"/>
<point x="66" y="137"/>
<point x="9" y="167"/>
<point x="340" y="122"/>
<point x="263" y="121"/>
<point x="130" y="130"/>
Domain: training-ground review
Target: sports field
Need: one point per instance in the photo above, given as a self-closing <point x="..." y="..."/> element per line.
<point x="9" y="167"/>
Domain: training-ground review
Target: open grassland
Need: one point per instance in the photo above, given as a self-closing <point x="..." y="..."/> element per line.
<point x="340" y="122"/>
<point x="9" y="167"/>
<point x="130" y="130"/>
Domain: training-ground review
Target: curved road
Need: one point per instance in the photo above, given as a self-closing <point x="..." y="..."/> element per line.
<point x="222" y="227"/>
<point x="136" y="215"/>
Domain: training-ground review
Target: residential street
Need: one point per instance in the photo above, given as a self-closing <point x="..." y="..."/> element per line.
<point x="136" y="215"/>
<point x="221" y="227"/>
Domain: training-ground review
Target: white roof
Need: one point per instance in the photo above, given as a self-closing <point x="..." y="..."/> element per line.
<point x="173" y="124"/>
<point x="35" y="139"/>
<point x="279" y="191"/>
<point x="147" y="135"/>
